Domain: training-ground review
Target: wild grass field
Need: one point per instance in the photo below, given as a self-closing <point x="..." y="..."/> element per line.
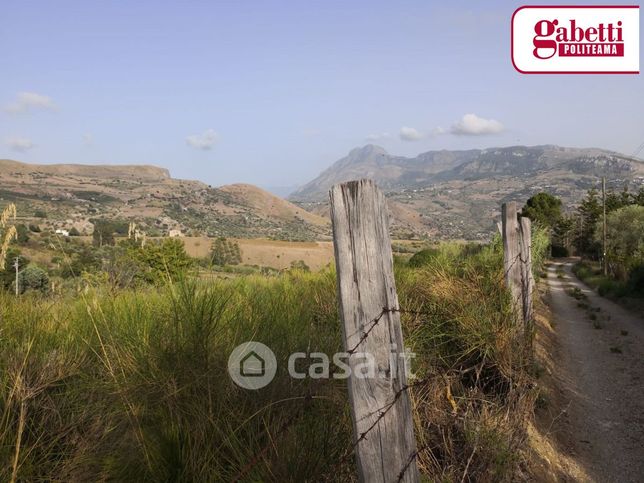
<point x="132" y="385"/>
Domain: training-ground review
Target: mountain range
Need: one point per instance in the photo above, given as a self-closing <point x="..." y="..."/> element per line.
<point x="458" y="194"/>
<point x="437" y="194"/>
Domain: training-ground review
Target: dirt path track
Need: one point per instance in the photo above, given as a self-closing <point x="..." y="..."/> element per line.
<point x="599" y="368"/>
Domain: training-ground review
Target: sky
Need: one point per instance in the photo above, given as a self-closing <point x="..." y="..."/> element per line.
<point x="273" y="92"/>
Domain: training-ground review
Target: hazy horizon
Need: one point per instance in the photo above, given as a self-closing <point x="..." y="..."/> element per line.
<point x="285" y="189"/>
<point x="272" y="93"/>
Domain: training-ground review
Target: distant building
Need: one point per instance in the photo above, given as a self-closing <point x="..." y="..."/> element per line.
<point x="175" y="233"/>
<point x="62" y="232"/>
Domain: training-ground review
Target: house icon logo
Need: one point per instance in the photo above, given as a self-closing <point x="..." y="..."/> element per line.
<point x="252" y="365"/>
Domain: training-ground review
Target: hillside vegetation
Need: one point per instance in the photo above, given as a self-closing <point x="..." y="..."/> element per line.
<point x="73" y="196"/>
<point x="438" y="194"/>
<point x="615" y="268"/>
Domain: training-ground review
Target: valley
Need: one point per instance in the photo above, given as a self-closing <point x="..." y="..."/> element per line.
<point x="438" y="195"/>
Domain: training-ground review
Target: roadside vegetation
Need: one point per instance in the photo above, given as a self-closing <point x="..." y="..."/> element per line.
<point x="124" y="377"/>
<point x="581" y="233"/>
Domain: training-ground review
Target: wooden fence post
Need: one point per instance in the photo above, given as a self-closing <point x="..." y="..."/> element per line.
<point x="380" y="405"/>
<point x="527" y="277"/>
<point x="511" y="253"/>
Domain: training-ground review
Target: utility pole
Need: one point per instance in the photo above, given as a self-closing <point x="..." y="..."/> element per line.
<point x="581" y="233"/>
<point x="604" y="260"/>
<point x="16" y="265"/>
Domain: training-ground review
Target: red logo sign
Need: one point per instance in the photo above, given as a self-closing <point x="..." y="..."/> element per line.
<point x="576" y="39"/>
<point x="573" y="40"/>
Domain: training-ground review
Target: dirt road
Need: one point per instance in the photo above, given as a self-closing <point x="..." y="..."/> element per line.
<point x="599" y="368"/>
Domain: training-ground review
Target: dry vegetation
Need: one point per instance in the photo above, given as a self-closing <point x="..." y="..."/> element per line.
<point x="70" y="196"/>
<point x="133" y="385"/>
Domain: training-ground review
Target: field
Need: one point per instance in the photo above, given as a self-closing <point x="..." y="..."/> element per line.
<point x="132" y="385"/>
<point x="270" y="253"/>
<point x="257" y="252"/>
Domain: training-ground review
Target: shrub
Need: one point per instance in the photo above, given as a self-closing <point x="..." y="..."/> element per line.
<point x="625" y="239"/>
<point x="33" y="278"/>
<point x="583" y="270"/>
<point x="86" y="259"/>
<point x="424" y="257"/>
<point x="611" y="288"/>
<point x="160" y="261"/>
<point x="22" y="234"/>
<point x="636" y="281"/>
<point x="299" y="265"/>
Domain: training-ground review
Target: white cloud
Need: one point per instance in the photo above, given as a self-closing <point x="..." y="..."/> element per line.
<point x="204" y="141"/>
<point x="410" y="134"/>
<point x="30" y="101"/>
<point x="473" y="125"/>
<point x="378" y="137"/>
<point x="20" y="144"/>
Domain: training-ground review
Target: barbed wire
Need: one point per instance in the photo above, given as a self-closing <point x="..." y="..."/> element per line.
<point x="412" y="458"/>
<point x="380" y="413"/>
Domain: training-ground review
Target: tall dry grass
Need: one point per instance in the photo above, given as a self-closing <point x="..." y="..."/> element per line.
<point x="133" y="386"/>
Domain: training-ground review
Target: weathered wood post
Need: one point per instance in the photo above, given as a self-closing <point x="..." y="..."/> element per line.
<point x="380" y="405"/>
<point x="511" y="254"/>
<point x="527" y="277"/>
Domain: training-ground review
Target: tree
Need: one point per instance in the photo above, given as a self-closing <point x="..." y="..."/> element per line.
<point x="589" y="213"/>
<point x="562" y="233"/>
<point x="22" y="236"/>
<point x="638" y="199"/>
<point x="33" y="278"/>
<point x="225" y="252"/>
<point x="625" y="239"/>
<point x="615" y="201"/>
<point x="103" y="233"/>
<point x="161" y="261"/>
<point x="86" y="260"/>
<point x="543" y="209"/>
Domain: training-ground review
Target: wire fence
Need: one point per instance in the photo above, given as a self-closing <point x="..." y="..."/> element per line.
<point x="379" y="413"/>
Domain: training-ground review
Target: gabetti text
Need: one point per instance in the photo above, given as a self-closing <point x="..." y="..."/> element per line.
<point x="567" y="39"/>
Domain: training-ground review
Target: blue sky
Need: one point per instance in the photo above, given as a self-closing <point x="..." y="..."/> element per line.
<point x="272" y="92"/>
